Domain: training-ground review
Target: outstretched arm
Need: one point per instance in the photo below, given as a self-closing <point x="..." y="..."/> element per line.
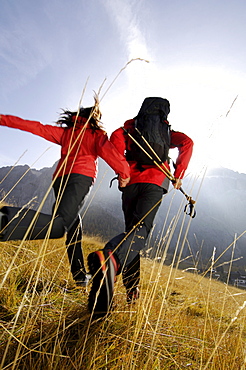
<point x="48" y="132"/>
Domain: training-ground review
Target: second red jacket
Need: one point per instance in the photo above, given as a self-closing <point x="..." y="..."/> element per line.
<point x="152" y="174"/>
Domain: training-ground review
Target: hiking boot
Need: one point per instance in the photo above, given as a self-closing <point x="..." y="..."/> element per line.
<point x="82" y="283"/>
<point x="103" y="268"/>
<point x="132" y="295"/>
<point x="3" y="223"/>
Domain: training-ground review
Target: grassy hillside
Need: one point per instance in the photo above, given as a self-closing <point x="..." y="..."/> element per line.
<point x="181" y="321"/>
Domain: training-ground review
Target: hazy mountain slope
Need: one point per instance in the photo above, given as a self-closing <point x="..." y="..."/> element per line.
<point x="221" y="208"/>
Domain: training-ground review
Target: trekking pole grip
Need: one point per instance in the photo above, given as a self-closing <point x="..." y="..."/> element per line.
<point x="188" y="197"/>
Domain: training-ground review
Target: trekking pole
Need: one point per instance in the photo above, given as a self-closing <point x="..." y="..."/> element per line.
<point x="165" y="170"/>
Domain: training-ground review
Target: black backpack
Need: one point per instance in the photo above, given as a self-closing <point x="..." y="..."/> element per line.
<point x="150" y="125"/>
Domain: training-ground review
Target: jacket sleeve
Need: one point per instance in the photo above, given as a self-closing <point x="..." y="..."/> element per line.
<point x="118" y="139"/>
<point x="48" y="132"/>
<point x="107" y="151"/>
<point x="185" y="148"/>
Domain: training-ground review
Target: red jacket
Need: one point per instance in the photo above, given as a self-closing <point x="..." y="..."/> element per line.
<point x="152" y="174"/>
<point x="83" y="145"/>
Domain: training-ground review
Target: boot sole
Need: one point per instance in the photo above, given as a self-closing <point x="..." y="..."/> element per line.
<point x="101" y="293"/>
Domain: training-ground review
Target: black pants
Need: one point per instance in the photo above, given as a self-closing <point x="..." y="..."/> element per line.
<point x="70" y="192"/>
<point x="140" y="202"/>
<point x="76" y="187"/>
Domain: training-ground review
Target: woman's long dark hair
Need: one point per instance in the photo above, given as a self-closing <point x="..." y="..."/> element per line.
<point x="93" y="114"/>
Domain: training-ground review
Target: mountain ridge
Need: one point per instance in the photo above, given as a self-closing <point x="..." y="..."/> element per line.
<point x="220" y="206"/>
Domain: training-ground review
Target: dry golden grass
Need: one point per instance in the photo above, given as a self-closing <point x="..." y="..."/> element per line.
<point x="181" y="320"/>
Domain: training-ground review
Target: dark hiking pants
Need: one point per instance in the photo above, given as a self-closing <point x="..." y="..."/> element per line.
<point x="70" y="191"/>
<point x="140" y="202"/>
<point x="69" y="207"/>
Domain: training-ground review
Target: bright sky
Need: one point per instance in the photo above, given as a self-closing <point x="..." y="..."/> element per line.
<point x="53" y="52"/>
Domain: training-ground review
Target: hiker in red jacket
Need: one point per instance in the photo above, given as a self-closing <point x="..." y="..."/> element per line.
<point x="82" y="141"/>
<point x="141" y="199"/>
